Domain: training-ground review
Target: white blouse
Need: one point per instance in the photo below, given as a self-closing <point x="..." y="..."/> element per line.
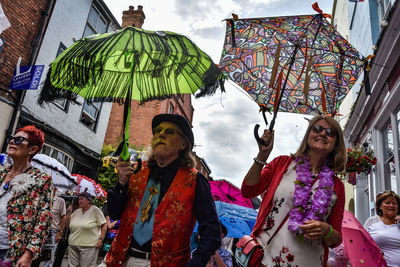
<point x="387" y="237"/>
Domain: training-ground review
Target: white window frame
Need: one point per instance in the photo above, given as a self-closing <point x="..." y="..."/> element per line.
<point x="90" y="116"/>
<point x="94" y="28"/>
<point x="70" y="161"/>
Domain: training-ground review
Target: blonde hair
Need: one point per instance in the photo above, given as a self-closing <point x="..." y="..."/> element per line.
<point x="338" y="157"/>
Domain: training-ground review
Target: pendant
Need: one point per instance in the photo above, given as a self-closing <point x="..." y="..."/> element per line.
<point x="6" y="186"/>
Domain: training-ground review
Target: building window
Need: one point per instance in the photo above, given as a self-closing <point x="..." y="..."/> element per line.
<point x="90" y="114"/>
<point x="61" y="103"/>
<point x="59" y="155"/>
<point x="171" y="109"/>
<point x="388" y="158"/>
<point x="96" y="23"/>
<point x="61" y="48"/>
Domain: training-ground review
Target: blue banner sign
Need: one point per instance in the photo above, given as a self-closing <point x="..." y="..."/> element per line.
<point x="27" y="77"/>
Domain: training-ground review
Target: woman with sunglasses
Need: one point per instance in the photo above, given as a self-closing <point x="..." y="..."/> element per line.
<point x="384" y="228"/>
<point x="302" y="198"/>
<point x="25" y="196"/>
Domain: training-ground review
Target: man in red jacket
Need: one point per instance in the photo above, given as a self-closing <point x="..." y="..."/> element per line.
<point x="158" y="206"/>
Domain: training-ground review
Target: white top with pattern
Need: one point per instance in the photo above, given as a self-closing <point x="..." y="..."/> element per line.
<point x="6" y="196"/>
<point x="387" y="237"/>
<point x="285" y="249"/>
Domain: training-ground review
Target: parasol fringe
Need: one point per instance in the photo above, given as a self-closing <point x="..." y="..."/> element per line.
<point x="307" y="80"/>
<point x="278" y="90"/>
<point x="305" y="60"/>
<point x="161" y="59"/>
<point x="323" y="101"/>
<point x="213" y="80"/>
<point x="275" y="67"/>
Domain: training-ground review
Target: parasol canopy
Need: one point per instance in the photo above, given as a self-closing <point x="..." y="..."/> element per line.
<point x="361" y="249"/>
<point x="238" y="220"/>
<point x="85" y="184"/>
<point x="130" y="64"/>
<point x="224" y="191"/>
<point x="60" y="175"/>
<point x="297" y="64"/>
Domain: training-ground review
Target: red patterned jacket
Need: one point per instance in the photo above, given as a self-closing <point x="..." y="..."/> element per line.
<point x="173" y="221"/>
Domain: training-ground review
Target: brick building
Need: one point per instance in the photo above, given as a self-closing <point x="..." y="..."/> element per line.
<point x="21" y="40"/>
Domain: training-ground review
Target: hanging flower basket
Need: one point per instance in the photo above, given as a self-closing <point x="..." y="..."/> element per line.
<point x="359" y="161"/>
<point x="352" y="178"/>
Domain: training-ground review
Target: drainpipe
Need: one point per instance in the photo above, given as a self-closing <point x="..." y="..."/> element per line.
<point x="18" y="105"/>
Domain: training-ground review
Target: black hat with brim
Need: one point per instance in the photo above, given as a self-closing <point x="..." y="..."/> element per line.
<point x="179" y="121"/>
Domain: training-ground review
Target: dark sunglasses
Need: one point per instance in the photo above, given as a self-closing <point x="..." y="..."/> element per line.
<point x="331" y="132"/>
<point x="17" y="140"/>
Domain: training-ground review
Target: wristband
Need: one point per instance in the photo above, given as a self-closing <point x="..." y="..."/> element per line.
<point x="329" y="234"/>
<point x="259" y="162"/>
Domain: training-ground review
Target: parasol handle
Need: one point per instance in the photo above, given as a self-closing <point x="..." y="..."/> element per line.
<point x="256" y="136"/>
<point x="257" y="126"/>
<point x="138" y="166"/>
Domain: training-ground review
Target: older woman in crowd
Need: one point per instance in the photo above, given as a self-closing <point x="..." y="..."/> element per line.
<point x="25" y="196"/>
<point x="302" y="196"/>
<point x="88" y="228"/>
<point x="384" y="227"/>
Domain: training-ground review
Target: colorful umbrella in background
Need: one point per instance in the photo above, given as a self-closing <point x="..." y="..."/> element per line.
<point x="60" y="175"/>
<point x="238" y="220"/>
<point x="130" y="64"/>
<point x="85" y="184"/>
<point x="295" y="64"/>
<point x="361" y="249"/>
<point x="224" y="191"/>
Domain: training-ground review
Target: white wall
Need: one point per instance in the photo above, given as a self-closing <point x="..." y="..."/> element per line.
<point x="67" y="21"/>
<point x="5" y="118"/>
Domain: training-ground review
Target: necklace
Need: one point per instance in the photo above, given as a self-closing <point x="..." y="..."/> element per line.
<point x="7" y="185"/>
<point x="303" y="210"/>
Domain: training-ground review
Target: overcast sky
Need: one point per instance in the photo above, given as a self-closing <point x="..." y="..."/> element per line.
<point x="223" y="124"/>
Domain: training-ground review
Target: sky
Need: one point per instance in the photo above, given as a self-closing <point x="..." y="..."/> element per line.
<point x="223" y="124"/>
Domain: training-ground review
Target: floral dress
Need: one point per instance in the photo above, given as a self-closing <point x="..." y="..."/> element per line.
<point x="28" y="211"/>
<point x="285" y="248"/>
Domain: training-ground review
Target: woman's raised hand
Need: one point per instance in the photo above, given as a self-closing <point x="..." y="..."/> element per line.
<point x="266" y="148"/>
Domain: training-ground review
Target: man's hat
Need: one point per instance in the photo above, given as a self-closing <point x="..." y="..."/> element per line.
<point x="178" y="120"/>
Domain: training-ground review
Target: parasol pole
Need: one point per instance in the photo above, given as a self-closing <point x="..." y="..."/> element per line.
<point x="123" y="148"/>
<point x="272" y="124"/>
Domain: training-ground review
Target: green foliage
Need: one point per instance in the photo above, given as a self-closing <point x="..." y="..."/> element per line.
<point x="107" y="175"/>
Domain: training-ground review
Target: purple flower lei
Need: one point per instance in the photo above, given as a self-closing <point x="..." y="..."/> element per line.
<point x="303" y="211"/>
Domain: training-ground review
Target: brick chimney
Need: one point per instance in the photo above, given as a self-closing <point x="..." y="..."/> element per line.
<point x="133" y="17"/>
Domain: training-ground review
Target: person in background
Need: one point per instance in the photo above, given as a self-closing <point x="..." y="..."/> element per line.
<point x="57" y="225"/>
<point x="88" y="228"/>
<point x="222" y="257"/>
<point x="301" y="196"/>
<point x="25" y="200"/>
<point x="384" y="228"/>
<point x="112" y="229"/>
<point x="158" y="206"/>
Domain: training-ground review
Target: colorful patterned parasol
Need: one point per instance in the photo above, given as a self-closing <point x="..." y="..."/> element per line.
<point x="295" y="64"/>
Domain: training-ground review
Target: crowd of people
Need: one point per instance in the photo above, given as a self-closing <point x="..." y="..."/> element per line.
<point x="151" y="213"/>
